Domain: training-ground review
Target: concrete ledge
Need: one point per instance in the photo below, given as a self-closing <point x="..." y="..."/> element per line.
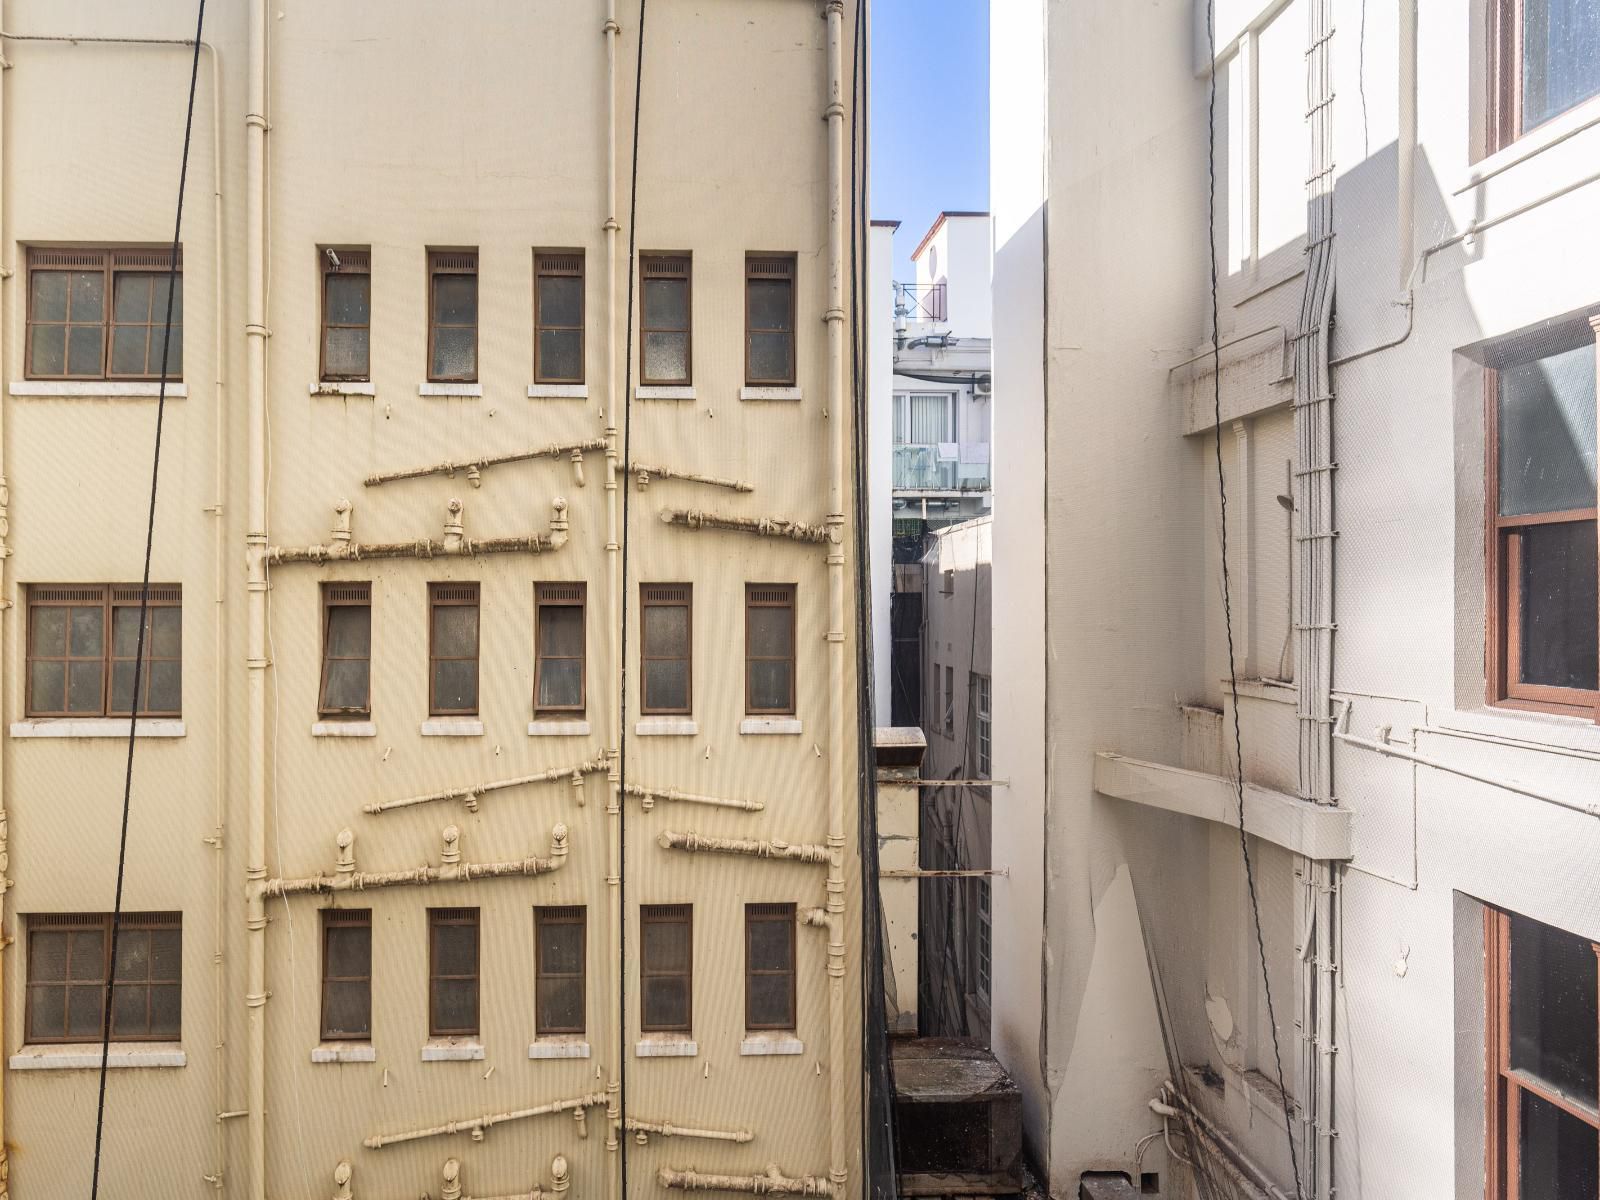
<point x="666" y="1045"/>
<point x="450" y="389"/>
<point x="757" y="726"/>
<point x="140" y="389"/>
<point x="771" y="1043"/>
<point x="340" y="729"/>
<point x="769" y="393"/>
<point x="452" y="727"/>
<point x="344" y="387"/>
<point x="78" y="1056"/>
<point x="660" y="392"/>
<point x="1315" y="831"/>
<point x="344" y="1052"/>
<point x="98" y="727"/>
<point x="452" y="1050"/>
<point x="667" y="727"/>
<point x="558" y="1047"/>
<point x="558" y="391"/>
<point x="550" y="728"/>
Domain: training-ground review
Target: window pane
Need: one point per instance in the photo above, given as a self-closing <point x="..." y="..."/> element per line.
<point x="455" y="299"/>
<point x="455" y="353"/>
<point x="455" y="1005"/>
<point x="159" y="300"/>
<point x="666" y="630"/>
<point x="122" y="687"/>
<point x="769" y="1001"/>
<point x="560" y="948"/>
<point x="666" y="1002"/>
<point x="127" y="350"/>
<point x="128" y="1015"/>
<point x="349" y="299"/>
<point x="1560" y="607"/>
<point x="560" y="683"/>
<point x="88" y="628"/>
<point x="49" y="296"/>
<point x="561" y="630"/>
<point x="347" y="685"/>
<point x="666" y="685"/>
<point x="666" y="304"/>
<point x="1553" y="1007"/>
<point x="166" y="631"/>
<point x="770" y="631"/>
<point x="560" y="354"/>
<point x="83" y="349"/>
<point x="133" y="954"/>
<point x="455" y="685"/>
<point x="125" y="631"/>
<point x="88" y="296"/>
<point x="165" y="693"/>
<point x="666" y="945"/>
<point x="1560" y="57"/>
<point x="666" y="356"/>
<point x="769" y="356"/>
<point x="349" y="949"/>
<point x="86" y="958"/>
<point x="165" y="1010"/>
<point x="347" y="1010"/>
<point x="166" y="954"/>
<point x="1560" y="1159"/>
<point x="1547" y="433"/>
<point x="1283" y="144"/>
<point x="346" y="352"/>
<point x="560" y="300"/>
<point x="174" y="357"/>
<point x="47" y="1013"/>
<point x="48" y="630"/>
<point x="560" y="1005"/>
<point x="47" y="686"/>
<point x="86" y="1012"/>
<point x="455" y="630"/>
<point x="49" y="356"/>
<point x="455" y="949"/>
<point x="769" y="304"/>
<point x="131" y="304"/>
<point x="350" y="631"/>
<point x="769" y="683"/>
<point x="47" y="957"/>
<point x="771" y="943"/>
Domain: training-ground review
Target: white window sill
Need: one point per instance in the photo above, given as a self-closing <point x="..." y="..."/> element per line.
<point x="97" y="727"/>
<point x="771" y="1043"/>
<point x="558" y="391"/>
<point x="656" y="391"/>
<point x="125" y="390"/>
<point x="452" y="727"/>
<point x="666" y="1045"/>
<point x="1557" y="129"/>
<point x="667" y="727"/>
<point x="762" y="726"/>
<point x="344" y="387"/>
<point x="551" y="728"/>
<point x="344" y="1052"/>
<point x="449" y="389"/>
<point x="769" y="393"/>
<point x="571" y="1046"/>
<point x="341" y="729"/>
<point x="452" y="1050"/>
<point x="78" y="1056"/>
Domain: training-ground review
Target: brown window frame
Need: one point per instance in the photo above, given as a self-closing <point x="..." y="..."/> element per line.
<point x="346" y="595"/>
<point x="560" y="914"/>
<point x="773" y="914"/>
<point x="439" y="918"/>
<point x="665" y="914"/>
<point x="768" y="266"/>
<point x="438" y="597"/>
<point x="767" y="595"/>
<point x="1503" y="1083"/>
<point x="662" y="599"/>
<point x="560" y="595"/>
<point x="666" y="266"/>
<point x="352" y="261"/>
<point x="108" y="597"/>
<point x="1503" y="576"/>
<point x="344" y="918"/>
<point x="1503" y="22"/>
<point x="110" y="262"/>
<point x="69" y="922"/>
<point x="566" y="264"/>
<point x="454" y="262"/>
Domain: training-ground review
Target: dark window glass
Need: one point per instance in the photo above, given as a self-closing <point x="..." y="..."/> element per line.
<point x="453" y="972"/>
<point x="665" y="646"/>
<point x="769" y="320"/>
<point x="1553" y="1008"/>
<point x="346" y="649"/>
<point x="666" y="967"/>
<point x="75" y="669"/>
<point x="559" y="985"/>
<point x="665" y="319"/>
<point x="453" y="311"/>
<point x="1559" y="1157"/>
<point x="769" y="966"/>
<point x="347" y="315"/>
<point x="453" y="678"/>
<point x="346" y="974"/>
<point x="769" y="648"/>
<point x="1560" y="605"/>
<point x="558" y="317"/>
<point x="559" y="670"/>
<point x="101" y="314"/>
<point x="67" y="968"/>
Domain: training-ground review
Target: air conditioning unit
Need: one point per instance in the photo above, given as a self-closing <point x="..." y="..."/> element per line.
<point x="983" y="386"/>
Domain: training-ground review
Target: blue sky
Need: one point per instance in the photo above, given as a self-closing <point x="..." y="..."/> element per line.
<point x="930" y="114"/>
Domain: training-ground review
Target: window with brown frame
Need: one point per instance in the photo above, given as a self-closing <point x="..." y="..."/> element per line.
<point x="665" y="323"/>
<point x="452" y="972"/>
<point x="769" y="966"/>
<point x="69" y="963"/>
<point x="1544" y="59"/>
<point x="558" y="670"/>
<point x="666" y="968"/>
<point x="101" y="314"/>
<point x="559" y="980"/>
<point x="345" y="690"/>
<point x="347" y="974"/>
<point x="665" y="647"/>
<point x="1542" y="1058"/>
<point x="346" y="314"/>
<point x="769" y="648"/>
<point x="452" y="316"/>
<point x="76" y="670"/>
<point x="1544" y="587"/>
<point x="453" y="649"/>
<point x="558" y="284"/>
<point x="769" y="319"/>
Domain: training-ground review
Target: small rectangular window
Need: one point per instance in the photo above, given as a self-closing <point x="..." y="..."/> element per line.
<point x="102" y="314"/>
<point x="665" y="647"/>
<point x="453" y="316"/>
<point x="559" y="981"/>
<point x="452" y="972"/>
<point x="346" y="974"/>
<point x="769" y="966"/>
<point x="1544" y="60"/>
<point x="82" y="641"/>
<point x="453" y="649"/>
<point x="769" y="647"/>
<point x="69" y="962"/>
<point x="949" y="702"/>
<point x="984" y="729"/>
<point x="664" y="319"/>
<point x="985" y="943"/>
<point x="769" y="319"/>
<point x="666" y="968"/>
<point x="346" y="314"/>
<point x="558" y="672"/>
<point x="558" y="346"/>
<point x="346" y="650"/>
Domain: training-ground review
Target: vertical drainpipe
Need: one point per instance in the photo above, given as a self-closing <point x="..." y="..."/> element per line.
<point x="5" y="603"/>
<point x="256" y="585"/>
<point x="837" y="415"/>
<point x="614" y="603"/>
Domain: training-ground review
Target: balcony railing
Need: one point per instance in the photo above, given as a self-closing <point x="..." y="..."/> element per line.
<point x="920" y="302"/>
<point x="936" y="469"/>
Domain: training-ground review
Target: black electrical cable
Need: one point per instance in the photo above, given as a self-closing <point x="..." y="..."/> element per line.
<point x="622" y="666"/>
<point x="1227" y="597"/>
<point x="144" y="610"/>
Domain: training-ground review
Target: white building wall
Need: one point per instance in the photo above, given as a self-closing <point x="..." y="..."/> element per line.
<point x="880" y="448"/>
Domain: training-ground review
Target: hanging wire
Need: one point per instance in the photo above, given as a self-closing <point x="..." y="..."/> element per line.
<point x="144" y="612"/>
<point x="1227" y="596"/>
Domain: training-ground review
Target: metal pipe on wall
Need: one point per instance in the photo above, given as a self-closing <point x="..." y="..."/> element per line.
<point x="694" y="843"/>
<point x="478" y="1126"/>
<point x="771" y="1181"/>
<point x="469" y="794"/>
<point x="778" y="527"/>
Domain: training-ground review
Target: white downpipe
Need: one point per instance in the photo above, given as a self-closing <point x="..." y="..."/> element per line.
<point x="6" y="275"/>
<point x="477" y="1127"/>
<point x="771" y="1181"/>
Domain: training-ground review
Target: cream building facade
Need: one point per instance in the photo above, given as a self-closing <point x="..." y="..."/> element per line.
<point x="419" y="896"/>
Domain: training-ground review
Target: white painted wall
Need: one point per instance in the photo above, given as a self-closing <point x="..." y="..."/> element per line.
<point x="880" y="447"/>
